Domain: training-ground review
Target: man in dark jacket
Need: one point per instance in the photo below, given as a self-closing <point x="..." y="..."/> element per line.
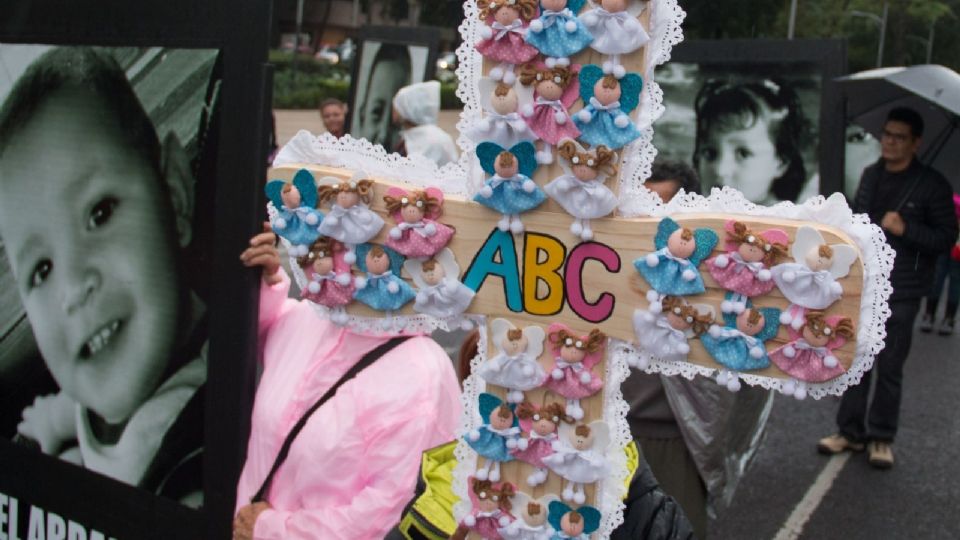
<point x="913" y="204"/>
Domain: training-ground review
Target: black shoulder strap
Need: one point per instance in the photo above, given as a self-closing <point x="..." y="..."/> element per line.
<point x="367" y="359"/>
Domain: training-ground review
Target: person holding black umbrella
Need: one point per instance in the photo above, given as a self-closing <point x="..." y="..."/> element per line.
<point x="913" y="204"/>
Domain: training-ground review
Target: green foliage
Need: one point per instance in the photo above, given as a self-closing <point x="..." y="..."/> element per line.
<point x="448" y="96"/>
<point x="306" y="90"/>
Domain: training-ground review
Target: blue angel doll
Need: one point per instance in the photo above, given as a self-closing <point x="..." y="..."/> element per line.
<point x="672" y="269"/>
<point x="568" y="523"/>
<point x="381" y="288"/>
<point x="297" y="218"/>
<point x="608" y="102"/>
<point x="558" y="32"/>
<point x="739" y="344"/>
<point x="494" y="439"/>
<point x="510" y="190"/>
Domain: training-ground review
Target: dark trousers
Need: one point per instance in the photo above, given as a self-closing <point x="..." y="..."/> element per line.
<point x="947" y="268"/>
<point x="858" y="420"/>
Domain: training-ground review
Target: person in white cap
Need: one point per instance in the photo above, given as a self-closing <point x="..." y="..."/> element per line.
<point x="415" y="109"/>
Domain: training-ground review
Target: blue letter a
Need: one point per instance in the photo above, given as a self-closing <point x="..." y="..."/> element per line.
<point x="484" y="264"/>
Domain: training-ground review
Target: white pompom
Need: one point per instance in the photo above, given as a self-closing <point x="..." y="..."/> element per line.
<point x="350" y="257"/>
<point x="560" y="117"/>
<point x="486" y="32"/>
<point x="585" y="377"/>
<point x="652" y="260"/>
<point x="523" y="444"/>
<point x="526" y="110"/>
<point x="511" y="443"/>
<point x="589" y="18"/>
<point x="785" y="317"/>
<point x="527" y="370"/>
<point x="482" y="474"/>
<point x="619" y="71"/>
<point x="721" y="261"/>
<point x="688" y="275"/>
<point x="280" y="223"/>
<point x="484" y="124"/>
<point x="495" y="475"/>
<point x="738" y="307"/>
<point x="801" y="392"/>
<point x="567" y="494"/>
<point x="333" y="221"/>
<point x="584" y="115"/>
<point x="313" y="287"/>
<point x="486" y="192"/>
<point x="536" y="26"/>
<point x="835" y="288"/>
<point x="516" y="226"/>
<point x="642" y="362"/>
<point x="789" y="387"/>
<point x="550" y="62"/>
<point x="497" y="72"/>
<point x="311" y="219"/>
<point x="683" y="348"/>
<point x="563" y="61"/>
<point x="343" y="279"/>
<point x="570" y="27"/>
<point x="396" y="233"/>
<point x="532" y="481"/>
<point x="789" y="351"/>
<point x="529" y="186"/>
<point x="789" y="276"/>
<point x="763" y="275"/>
<point x="393" y="288"/>
<point x="756" y="352"/>
<point x="830" y="361"/>
<point x="504" y="521"/>
<point x="607" y="67"/>
<point x="587" y="234"/>
<point x="470" y="521"/>
<point x="474" y="435"/>
<point x="715" y="331"/>
<point x="656" y="306"/>
<point x="621" y="121"/>
<point x="545" y="157"/>
<point x="723" y="377"/>
<point x="360" y="282"/>
<point x="385" y="324"/>
<point x="797" y="323"/>
<point x="576" y="228"/>
<point x="652" y="295"/>
<point x="733" y="384"/>
<point x="430" y="229"/>
<point x="726" y="306"/>
<point x="339" y="318"/>
<point x="466" y="324"/>
<point x="509" y="78"/>
<point x="575" y="412"/>
<point x="557" y="374"/>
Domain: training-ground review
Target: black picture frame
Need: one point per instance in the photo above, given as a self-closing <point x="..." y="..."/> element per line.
<point x="239" y="29"/>
<point x="390" y="36"/>
<point x="824" y="58"/>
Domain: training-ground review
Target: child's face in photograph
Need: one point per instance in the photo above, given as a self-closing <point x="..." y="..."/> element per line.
<point x="91" y="239"/>
<point x="742" y="158"/>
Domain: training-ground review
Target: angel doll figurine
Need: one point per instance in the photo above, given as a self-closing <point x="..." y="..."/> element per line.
<point x="350" y="219"/>
<point x="540" y="426"/>
<point x="381" y="287"/>
<point x="809" y="356"/>
<point x="491" y="502"/>
<point x="739" y="344"/>
<point x="616" y="31"/>
<point x="297" y="217"/>
<point x="605" y="118"/>
<point x="330" y="282"/>
<point x="510" y="189"/>
<point x="580" y="457"/>
<point x="440" y="293"/>
<point x="502" y="38"/>
<point x="672" y="268"/>
<point x="574" y="359"/>
<point x="501" y="123"/>
<point x="570" y="524"/>
<point x="494" y="439"/>
<point x="745" y="267"/>
<point x="531" y="522"/>
<point x="810" y="282"/>
<point x="417" y="233"/>
<point x="665" y="328"/>
<point x="555" y="90"/>
<point x="515" y="367"/>
<point x="580" y="190"/>
<point x="558" y="32"/>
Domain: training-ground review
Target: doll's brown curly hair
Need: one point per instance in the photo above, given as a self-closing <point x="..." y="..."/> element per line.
<point x="427" y="203"/>
<point x="530" y="74"/>
<point x="594" y="342"/>
<point x="816" y="321"/>
<point x="526" y="411"/>
<point x="364" y="188"/>
<point x="322" y="245"/>
<point x="604" y="159"/>
<point x="701" y="321"/>
<point x="526" y="8"/>
<point x="773" y="251"/>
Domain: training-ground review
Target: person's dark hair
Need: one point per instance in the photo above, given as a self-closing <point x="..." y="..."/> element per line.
<point x="84" y="68"/>
<point x="332" y="101"/>
<point x="740" y="106"/>
<point x="675" y="170"/>
<point x="909" y="117"/>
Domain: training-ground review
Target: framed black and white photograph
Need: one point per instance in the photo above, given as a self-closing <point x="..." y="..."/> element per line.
<point x="389" y="59"/>
<point x="121" y="219"/>
<point x="755" y="116"/>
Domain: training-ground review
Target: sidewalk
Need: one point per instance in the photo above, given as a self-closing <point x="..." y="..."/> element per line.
<point x="289" y="122"/>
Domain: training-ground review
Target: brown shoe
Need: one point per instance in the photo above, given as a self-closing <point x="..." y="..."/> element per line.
<point x="834" y="444"/>
<point x="880" y="454"/>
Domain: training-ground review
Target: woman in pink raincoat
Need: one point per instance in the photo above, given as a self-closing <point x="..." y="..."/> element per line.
<point x="352" y="468"/>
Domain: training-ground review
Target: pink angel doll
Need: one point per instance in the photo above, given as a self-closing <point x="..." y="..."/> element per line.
<point x="491" y="507"/>
<point x="810" y="282"/>
<point x="616" y="31"/>
<point x="417" y="234"/>
<point x="808" y="357"/>
<point x="503" y="39"/>
<point x="556" y="89"/>
<point x="495" y="437"/>
<point x="665" y="328"/>
<point x="515" y="367"/>
<point x="574" y="359"/>
<point x="531" y="522"/>
<point x="745" y="268"/>
<point x="330" y="282"/>
<point x="501" y="122"/>
<point x="350" y="220"/>
<point x="540" y="426"/>
<point x="440" y="293"/>
<point x="580" y="457"/>
<point x="580" y="190"/>
<point x="296" y="219"/>
<point x="570" y="524"/>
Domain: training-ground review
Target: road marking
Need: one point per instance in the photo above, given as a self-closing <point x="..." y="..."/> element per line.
<point x="792" y="528"/>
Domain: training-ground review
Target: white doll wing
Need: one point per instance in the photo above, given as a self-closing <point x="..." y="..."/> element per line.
<point x="449" y="263"/>
<point x="807" y="239"/>
<point x="535" y="336"/>
<point x="601" y="435"/>
<point x="519" y="500"/>
<point x="486" y="86"/>
<point x="635" y="7"/>
<point x="843" y="258"/>
<point x="498" y="332"/>
<point x="328" y="181"/>
<point x="415" y="269"/>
